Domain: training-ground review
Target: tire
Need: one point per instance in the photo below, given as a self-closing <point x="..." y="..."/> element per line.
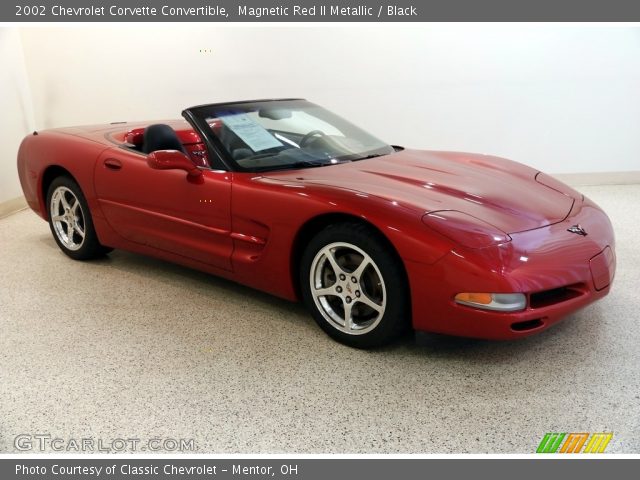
<point x="70" y="220"/>
<point x="355" y="286"/>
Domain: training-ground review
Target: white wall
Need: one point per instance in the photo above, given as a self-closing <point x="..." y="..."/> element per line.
<point x="561" y="98"/>
<point x="15" y="110"/>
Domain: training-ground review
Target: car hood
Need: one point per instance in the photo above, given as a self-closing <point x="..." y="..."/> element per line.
<point x="495" y="190"/>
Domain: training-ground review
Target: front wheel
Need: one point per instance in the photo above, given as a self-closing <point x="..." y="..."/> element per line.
<point x="70" y="220"/>
<point x="355" y="286"/>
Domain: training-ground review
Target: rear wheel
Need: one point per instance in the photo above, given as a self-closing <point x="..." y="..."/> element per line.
<point x="355" y="286"/>
<point x="70" y="220"/>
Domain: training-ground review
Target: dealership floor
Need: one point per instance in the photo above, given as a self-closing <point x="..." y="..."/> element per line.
<point x="128" y="347"/>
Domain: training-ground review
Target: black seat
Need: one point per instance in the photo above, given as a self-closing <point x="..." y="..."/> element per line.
<point x="161" y="137"/>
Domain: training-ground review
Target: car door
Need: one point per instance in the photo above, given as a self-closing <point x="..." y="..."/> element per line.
<point x="166" y="209"/>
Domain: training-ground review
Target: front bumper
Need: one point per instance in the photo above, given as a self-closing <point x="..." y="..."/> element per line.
<point x="559" y="271"/>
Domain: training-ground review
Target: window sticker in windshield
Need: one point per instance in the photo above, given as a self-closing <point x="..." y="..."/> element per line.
<point x="250" y="132"/>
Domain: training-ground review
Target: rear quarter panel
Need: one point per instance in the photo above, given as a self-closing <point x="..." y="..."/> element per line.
<point x="40" y="153"/>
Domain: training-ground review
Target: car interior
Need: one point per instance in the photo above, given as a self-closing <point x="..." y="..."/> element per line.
<point x="161" y="136"/>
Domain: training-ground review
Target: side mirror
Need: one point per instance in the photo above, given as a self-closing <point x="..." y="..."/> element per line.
<point x="172" y="160"/>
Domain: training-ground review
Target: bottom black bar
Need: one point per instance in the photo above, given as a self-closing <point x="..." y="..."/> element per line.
<point x="312" y="469"/>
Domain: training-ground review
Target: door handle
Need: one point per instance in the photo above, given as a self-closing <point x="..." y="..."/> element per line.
<point x="113" y="164"/>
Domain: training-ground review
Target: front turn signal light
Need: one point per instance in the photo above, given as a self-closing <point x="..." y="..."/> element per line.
<point x="501" y="302"/>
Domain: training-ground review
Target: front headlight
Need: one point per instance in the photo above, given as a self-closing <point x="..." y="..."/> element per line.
<point x="465" y="229"/>
<point x="501" y="302"/>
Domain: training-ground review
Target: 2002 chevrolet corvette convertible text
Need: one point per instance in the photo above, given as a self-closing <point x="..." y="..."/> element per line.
<point x="288" y="198"/>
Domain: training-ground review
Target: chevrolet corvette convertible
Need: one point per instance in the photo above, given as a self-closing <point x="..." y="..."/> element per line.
<point x="289" y="198"/>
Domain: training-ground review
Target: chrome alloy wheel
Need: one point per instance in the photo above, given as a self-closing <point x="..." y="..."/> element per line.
<point x="67" y="218"/>
<point x="347" y="288"/>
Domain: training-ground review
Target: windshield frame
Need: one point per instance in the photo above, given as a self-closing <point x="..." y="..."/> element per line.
<point x="220" y="158"/>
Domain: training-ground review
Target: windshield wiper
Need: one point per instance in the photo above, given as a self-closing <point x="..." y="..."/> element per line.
<point x="293" y="166"/>
<point x="367" y="157"/>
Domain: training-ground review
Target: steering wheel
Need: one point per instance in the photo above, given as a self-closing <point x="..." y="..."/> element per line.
<point x="307" y="138"/>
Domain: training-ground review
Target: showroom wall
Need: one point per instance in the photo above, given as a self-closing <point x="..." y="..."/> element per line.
<point x="563" y="98"/>
<point x="15" y="110"/>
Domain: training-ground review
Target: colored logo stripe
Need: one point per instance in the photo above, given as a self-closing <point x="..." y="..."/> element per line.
<point x="574" y="443"/>
<point x="550" y="443"/>
<point x="598" y="442"/>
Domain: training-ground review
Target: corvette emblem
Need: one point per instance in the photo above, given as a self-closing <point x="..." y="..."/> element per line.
<point x="578" y="230"/>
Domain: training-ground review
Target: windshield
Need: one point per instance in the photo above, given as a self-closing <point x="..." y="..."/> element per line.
<point x="286" y="134"/>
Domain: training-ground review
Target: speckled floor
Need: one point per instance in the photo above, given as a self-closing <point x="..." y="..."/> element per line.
<point x="132" y="348"/>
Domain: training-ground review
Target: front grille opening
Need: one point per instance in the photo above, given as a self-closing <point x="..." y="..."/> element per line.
<point x="555" y="295"/>
<point x="527" y="325"/>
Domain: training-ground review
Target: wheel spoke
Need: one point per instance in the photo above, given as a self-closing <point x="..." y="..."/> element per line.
<point x="323" y="292"/>
<point x="59" y="218"/>
<point x="348" y="316"/>
<point x="64" y="201"/>
<point x="370" y="303"/>
<point x="79" y="231"/>
<point x="366" y="261"/>
<point x="70" y="231"/>
<point x="333" y="262"/>
<point x="75" y="205"/>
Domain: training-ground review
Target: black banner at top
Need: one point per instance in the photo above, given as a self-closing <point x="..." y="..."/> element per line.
<point x="223" y="11"/>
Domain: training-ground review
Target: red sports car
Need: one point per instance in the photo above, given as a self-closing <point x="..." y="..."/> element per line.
<point x="289" y="198"/>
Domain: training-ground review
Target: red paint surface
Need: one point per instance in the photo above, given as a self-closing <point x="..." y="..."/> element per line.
<point x="245" y="227"/>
